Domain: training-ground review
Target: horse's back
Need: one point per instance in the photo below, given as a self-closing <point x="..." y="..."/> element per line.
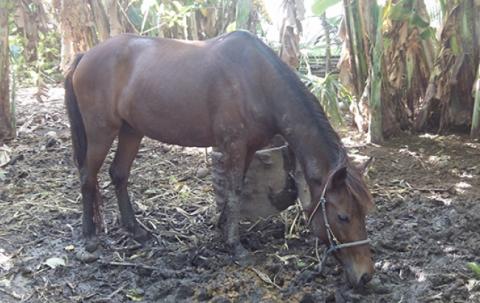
<point x="171" y="90"/>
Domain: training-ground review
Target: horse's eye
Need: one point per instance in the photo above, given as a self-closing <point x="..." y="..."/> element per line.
<point x="343" y="218"/>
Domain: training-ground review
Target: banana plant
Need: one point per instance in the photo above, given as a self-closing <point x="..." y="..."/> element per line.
<point x="320" y="6"/>
<point x="475" y="131"/>
<point x="330" y="92"/>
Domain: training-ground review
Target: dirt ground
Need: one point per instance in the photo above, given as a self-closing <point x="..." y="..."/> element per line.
<point x="424" y="231"/>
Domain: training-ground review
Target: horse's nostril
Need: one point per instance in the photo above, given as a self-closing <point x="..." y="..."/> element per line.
<point x="365" y="278"/>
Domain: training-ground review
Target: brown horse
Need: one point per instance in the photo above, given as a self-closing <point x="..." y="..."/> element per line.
<point x="231" y="92"/>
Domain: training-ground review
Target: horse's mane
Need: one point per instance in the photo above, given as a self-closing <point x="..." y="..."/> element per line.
<point x="357" y="187"/>
<point x="354" y="181"/>
<point x="303" y="97"/>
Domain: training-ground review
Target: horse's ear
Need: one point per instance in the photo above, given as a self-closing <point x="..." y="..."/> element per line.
<point x="339" y="177"/>
<point x="363" y="168"/>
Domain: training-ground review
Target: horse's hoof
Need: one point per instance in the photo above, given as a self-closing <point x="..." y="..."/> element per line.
<point x="141" y="235"/>
<point x="242" y="256"/>
<point x="86" y="256"/>
<point x="91" y="244"/>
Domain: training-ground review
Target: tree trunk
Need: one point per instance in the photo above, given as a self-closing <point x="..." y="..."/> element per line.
<point x="358" y="32"/>
<point x="77" y="28"/>
<point x="328" y="54"/>
<point x="290" y="32"/>
<point x="448" y="101"/>
<point x="6" y="126"/>
<point x="30" y="19"/>
<point x="475" y="131"/>
<point x="408" y="49"/>
<point x="244" y="9"/>
<point x="357" y="47"/>
<point x="212" y="21"/>
<point x="193" y="26"/>
<point x="116" y="26"/>
<point x="208" y="24"/>
<point x="407" y="52"/>
<point x="348" y="64"/>
<point x="375" y="127"/>
<point x="101" y="20"/>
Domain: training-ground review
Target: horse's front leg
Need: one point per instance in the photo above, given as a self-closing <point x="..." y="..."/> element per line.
<point x="236" y="160"/>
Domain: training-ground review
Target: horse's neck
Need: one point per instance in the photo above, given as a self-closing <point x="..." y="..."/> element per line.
<point x="317" y="151"/>
<point x="308" y="132"/>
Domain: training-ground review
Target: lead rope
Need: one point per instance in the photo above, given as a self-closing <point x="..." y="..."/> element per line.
<point x="322" y="197"/>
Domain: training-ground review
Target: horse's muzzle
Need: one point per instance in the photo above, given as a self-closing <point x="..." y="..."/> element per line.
<point x="359" y="274"/>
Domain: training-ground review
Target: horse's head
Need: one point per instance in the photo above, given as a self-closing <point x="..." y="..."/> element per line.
<point x="337" y="214"/>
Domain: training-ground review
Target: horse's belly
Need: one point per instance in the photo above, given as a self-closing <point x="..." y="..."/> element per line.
<point x="177" y="127"/>
<point x="192" y="137"/>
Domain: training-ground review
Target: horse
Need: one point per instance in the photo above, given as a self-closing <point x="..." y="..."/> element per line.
<point x="231" y="92"/>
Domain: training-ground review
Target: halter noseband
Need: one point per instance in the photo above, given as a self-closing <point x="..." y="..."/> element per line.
<point x="334" y="243"/>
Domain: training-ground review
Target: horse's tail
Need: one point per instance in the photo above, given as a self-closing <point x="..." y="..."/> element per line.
<point x="79" y="137"/>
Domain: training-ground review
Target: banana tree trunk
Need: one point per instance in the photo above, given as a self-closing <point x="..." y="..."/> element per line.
<point x="375" y="129"/>
<point x="358" y="32"/>
<point x="244" y="9"/>
<point x="6" y="126"/>
<point x="30" y="19"/>
<point x="193" y="26"/>
<point x="290" y="32"/>
<point x="328" y="54"/>
<point x="448" y="97"/>
<point x="350" y="26"/>
<point x="475" y="131"/>
<point x="361" y="47"/>
<point x="409" y="47"/>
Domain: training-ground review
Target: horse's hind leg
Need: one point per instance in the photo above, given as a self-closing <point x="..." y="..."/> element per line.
<point x="97" y="149"/>
<point x="128" y="144"/>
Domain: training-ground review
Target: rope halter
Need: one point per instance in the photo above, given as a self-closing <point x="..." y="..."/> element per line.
<point x="334" y="243"/>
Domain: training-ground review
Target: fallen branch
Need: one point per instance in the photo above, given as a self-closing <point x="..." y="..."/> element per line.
<point x="264" y="277"/>
<point x="128" y="264"/>
<point x="13" y="295"/>
<point x="110" y="296"/>
<point x="434" y="189"/>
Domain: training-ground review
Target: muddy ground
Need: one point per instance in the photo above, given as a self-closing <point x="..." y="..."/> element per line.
<point x="425" y="229"/>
